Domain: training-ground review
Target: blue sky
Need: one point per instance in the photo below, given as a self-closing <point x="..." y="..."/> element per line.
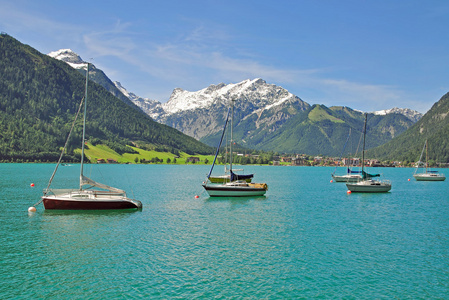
<point x="368" y="55"/>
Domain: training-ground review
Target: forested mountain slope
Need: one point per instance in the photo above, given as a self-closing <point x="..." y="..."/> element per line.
<point x="433" y="126"/>
<point x="323" y="131"/>
<point x="39" y="97"/>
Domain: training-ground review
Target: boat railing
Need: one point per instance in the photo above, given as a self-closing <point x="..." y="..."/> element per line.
<point x="76" y="193"/>
<point x="108" y="193"/>
<point x="58" y="192"/>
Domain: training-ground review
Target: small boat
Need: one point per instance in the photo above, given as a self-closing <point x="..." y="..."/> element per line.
<point x="353" y="176"/>
<point x="370" y="186"/>
<point x="427" y="175"/>
<point x="84" y="197"/>
<point x="349" y="177"/>
<point x="226" y="177"/>
<point x="366" y="184"/>
<point x="236" y="189"/>
<point x="237" y="186"/>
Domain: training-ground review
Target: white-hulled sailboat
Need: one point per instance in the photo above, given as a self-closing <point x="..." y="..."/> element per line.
<point x="427" y="175"/>
<point x="350" y="176"/>
<point x="366" y="184"/>
<point x="235" y="187"/>
<point x="86" y="198"/>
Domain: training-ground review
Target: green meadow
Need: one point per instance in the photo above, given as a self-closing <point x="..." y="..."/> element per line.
<point x="94" y="153"/>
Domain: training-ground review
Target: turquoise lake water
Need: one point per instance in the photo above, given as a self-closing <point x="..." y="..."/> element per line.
<point x="307" y="238"/>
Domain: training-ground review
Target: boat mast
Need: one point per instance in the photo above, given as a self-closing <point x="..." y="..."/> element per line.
<point x="427" y="157"/>
<point x="219" y="144"/>
<point x="418" y="165"/>
<point x="232" y="140"/>
<point x="363" y="151"/>
<point x="84" y="128"/>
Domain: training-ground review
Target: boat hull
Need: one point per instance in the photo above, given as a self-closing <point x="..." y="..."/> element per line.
<point x="429" y="177"/>
<point x="220" y="190"/>
<point x="61" y="203"/>
<point x="371" y="186"/>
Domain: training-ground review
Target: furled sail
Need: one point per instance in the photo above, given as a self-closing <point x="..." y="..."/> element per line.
<point x="367" y="175"/>
<point x="235" y="177"/>
<point x="85" y="180"/>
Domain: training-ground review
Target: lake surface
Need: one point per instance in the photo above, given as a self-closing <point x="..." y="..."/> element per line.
<point x="307" y="238"/>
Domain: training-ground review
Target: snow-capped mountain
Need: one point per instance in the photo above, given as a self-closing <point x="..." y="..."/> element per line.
<point x="256" y="91"/>
<point x="409" y="113"/>
<point x="96" y="75"/>
<point x="202" y="113"/>
<point x="70" y="57"/>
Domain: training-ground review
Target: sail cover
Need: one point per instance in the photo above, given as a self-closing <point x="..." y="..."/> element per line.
<point x="235" y="177"/>
<point x="367" y="175"/>
<point x="85" y="180"/>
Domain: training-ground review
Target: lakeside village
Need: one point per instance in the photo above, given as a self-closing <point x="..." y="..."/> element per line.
<point x="287" y="160"/>
<point x="306" y="160"/>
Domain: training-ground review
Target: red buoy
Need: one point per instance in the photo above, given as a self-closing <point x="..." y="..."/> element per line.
<point x="409" y="179"/>
<point x="332" y="181"/>
<point x="32" y="185"/>
<point x="196" y="196"/>
<point x="348" y="192"/>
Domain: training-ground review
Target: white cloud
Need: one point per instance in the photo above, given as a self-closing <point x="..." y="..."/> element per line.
<point x="113" y="42"/>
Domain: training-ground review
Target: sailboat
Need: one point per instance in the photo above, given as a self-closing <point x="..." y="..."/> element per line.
<point x="427" y="175"/>
<point x="85" y="197"/>
<point x="235" y="187"/>
<point x="350" y="176"/>
<point x="229" y="176"/>
<point x="366" y="184"/>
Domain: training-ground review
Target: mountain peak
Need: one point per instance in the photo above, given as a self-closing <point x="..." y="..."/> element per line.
<point x="70" y="57"/>
<point x="409" y="113"/>
<point x="254" y="92"/>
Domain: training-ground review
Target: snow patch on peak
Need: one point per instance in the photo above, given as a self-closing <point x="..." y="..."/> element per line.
<point x="119" y="86"/>
<point x="409" y="113"/>
<point x="61" y="52"/>
<point x="250" y="91"/>
<point x="70" y="57"/>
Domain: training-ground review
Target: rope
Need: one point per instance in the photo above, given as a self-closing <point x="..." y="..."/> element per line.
<point x="62" y="153"/>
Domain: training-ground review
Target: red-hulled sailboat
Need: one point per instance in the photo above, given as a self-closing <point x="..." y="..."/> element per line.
<point x="85" y="197"/>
